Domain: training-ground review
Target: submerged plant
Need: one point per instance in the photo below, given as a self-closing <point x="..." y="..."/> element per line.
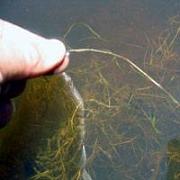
<point x="64" y="155"/>
<point x="121" y="119"/>
<point x="118" y="134"/>
<point x="117" y="113"/>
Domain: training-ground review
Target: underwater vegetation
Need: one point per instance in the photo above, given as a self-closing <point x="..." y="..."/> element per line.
<point x="130" y="111"/>
<point x="44" y="140"/>
<point x="131" y="116"/>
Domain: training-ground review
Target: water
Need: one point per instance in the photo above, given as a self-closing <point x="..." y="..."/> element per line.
<point x="132" y="126"/>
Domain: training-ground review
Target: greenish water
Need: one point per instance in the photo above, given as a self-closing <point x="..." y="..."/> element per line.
<point x="132" y="126"/>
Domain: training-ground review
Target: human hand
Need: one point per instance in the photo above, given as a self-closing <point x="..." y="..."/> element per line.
<point x="24" y="54"/>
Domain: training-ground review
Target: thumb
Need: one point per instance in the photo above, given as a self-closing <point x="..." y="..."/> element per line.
<point x="24" y="54"/>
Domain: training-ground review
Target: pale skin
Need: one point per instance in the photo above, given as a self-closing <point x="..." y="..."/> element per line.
<point x="25" y="55"/>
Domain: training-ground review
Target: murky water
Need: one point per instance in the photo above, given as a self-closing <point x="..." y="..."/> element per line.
<point x="132" y="126"/>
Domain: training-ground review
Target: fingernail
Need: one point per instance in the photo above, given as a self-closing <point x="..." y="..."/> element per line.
<point x="67" y="54"/>
<point x="1" y="78"/>
<point x="63" y="64"/>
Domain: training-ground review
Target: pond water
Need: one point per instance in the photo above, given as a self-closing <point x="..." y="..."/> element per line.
<point x="132" y="125"/>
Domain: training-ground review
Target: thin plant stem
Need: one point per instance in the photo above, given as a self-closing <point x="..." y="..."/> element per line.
<point x="110" y="53"/>
<point x="91" y="30"/>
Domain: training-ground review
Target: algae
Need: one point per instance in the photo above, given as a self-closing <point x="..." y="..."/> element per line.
<point x="44" y="139"/>
<point x="130" y="122"/>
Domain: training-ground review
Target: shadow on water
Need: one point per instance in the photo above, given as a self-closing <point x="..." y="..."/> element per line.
<point x="132" y="126"/>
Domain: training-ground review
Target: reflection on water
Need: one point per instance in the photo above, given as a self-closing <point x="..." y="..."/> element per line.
<point x="132" y="126"/>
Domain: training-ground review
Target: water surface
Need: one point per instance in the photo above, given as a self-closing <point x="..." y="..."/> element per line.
<point x="132" y="126"/>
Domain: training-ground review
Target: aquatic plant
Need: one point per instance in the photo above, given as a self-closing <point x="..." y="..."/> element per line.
<point x="125" y="122"/>
<point x="125" y="130"/>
